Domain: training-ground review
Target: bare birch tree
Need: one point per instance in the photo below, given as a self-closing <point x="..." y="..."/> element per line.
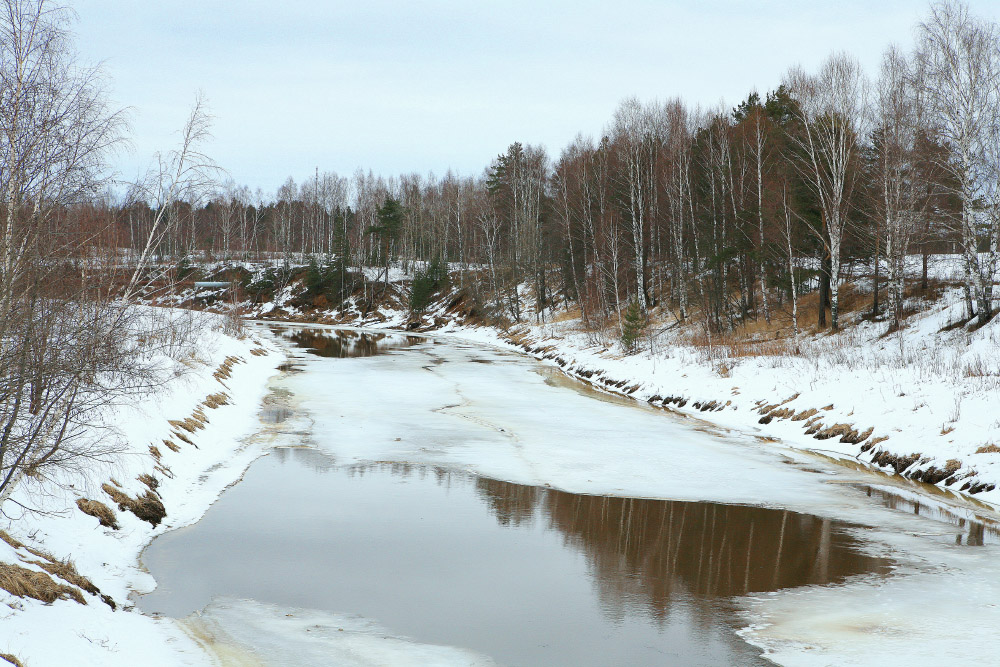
<point x="958" y="74"/>
<point x="833" y="113"/>
<point x="64" y="348"/>
<point x="897" y="188"/>
<point x="185" y="174"/>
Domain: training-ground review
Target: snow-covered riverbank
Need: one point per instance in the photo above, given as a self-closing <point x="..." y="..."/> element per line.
<point x="922" y="402"/>
<point x="649" y="456"/>
<point x="181" y="445"/>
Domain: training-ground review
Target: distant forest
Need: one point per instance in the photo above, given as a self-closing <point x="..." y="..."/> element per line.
<point x="722" y="216"/>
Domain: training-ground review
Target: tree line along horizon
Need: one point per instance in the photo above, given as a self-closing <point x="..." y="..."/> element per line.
<point x="723" y="215"/>
<point x="712" y="213"/>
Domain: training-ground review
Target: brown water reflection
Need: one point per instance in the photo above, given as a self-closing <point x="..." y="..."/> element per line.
<point x="973" y="531"/>
<point x="343" y="343"/>
<point x="710" y="549"/>
<point x="525" y="574"/>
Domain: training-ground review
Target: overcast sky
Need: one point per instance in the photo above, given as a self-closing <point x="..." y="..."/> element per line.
<point x="424" y="86"/>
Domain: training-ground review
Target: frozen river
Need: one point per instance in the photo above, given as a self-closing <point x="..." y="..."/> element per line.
<point x="439" y="502"/>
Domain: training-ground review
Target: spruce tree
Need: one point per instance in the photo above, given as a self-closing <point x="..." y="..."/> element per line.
<point x="633" y="325"/>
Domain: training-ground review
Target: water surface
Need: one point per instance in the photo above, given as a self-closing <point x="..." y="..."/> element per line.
<point x="527" y="575"/>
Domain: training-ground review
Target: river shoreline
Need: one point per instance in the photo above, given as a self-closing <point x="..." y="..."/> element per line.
<point x="216" y="457"/>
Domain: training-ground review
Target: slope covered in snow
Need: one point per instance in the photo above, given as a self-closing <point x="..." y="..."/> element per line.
<point x="178" y="447"/>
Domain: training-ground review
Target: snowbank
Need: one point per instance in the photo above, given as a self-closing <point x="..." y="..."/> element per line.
<point x="188" y="441"/>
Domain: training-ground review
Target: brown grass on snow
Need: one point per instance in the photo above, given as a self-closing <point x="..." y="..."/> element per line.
<point x="149" y="481"/>
<point x="147" y="507"/>
<point x="191" y="424"/>
<point x="66" y="570"/>
<point x="214" y="401"/>
<point x="183" y="438"/>
<point x="225" y="369"/>
<point x="24" y="583"/>
<point x="102" y="512"/>
<point x="11" y="659"/>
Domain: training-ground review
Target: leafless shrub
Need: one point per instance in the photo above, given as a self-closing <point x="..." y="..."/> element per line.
<point x="69" y="347"/>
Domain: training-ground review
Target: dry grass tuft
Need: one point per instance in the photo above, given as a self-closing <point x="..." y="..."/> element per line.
<point x="988" y="449"/>
<point x="183" y="438"/>
<point x="117" y="495"/>
<point x="11" y="659"/>
<point x="740" y="344"/>
<point x="805" y="414"/>
<point x="572" y="313"/>
<point x="24" y="583"/>
<point x="842" y="430"/>
<point x="213" y="401"/>
<point x="163" y="470"/>
<point x="169" y="444"/>
<point x="66" y="570"/>
<point x="258" y="352"/>
<point x="154" y="451"/>
<point x="102" y="512"/>
<point x="13" y="542"/>
<point x="190" y="424"/>
<point x="769" y="409"/>
<point x="147" y="507"/>
<point x="149" y="481"/>
<point x="225" y="369"/>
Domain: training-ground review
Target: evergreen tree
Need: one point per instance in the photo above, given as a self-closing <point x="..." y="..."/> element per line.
<point x="633" y="325"/>
<point x="390" y="221"/>
<point x="426" y="282"/>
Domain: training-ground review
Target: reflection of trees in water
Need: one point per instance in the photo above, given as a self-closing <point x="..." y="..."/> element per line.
<point x="442" y="476"/>
<point x="649" y="550"/>
<point x="313" y="459"/>
<point x="511" y="504"/>
<point x="342" y="343"/>
<point x="971" y="532"/>
<point x="646" y="553"/>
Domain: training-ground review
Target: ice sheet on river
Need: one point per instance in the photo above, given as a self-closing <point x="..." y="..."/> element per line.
<point x="503" y="417"/>
<point x="245" y="632"/>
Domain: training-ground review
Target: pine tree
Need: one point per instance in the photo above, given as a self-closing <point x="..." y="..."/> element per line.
<point x="633" y="325"/>
<point x="390" y="221"/>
